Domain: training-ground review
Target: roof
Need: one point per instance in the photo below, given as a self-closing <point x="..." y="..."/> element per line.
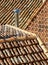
<point x="39" y="24"/>
<point x="28" y="9"/>
<point x="19" y="47"/>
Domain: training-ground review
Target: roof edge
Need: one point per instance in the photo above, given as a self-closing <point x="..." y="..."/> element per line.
<point x="42" y="46"/>
<point x="16" y="28"/>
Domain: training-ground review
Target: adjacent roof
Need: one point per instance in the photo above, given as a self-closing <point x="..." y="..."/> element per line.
<point x="19" y="47"/>
<point x="28" y="9"/>
<point x="39" y="24"/>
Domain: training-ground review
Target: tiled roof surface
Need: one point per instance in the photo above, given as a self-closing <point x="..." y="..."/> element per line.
<point x="28" y="8"/>
<point x="39" y="24"/>
<point x="20" y="49"/>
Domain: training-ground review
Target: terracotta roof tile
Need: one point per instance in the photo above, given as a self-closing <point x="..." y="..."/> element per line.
<point x="21" y="50"/>
<point x="28" y="10"/>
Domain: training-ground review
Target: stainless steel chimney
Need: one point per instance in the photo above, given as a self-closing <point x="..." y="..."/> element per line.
<point x="16" y="12"/>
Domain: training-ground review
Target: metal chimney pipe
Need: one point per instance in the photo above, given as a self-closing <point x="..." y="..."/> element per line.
<point x="16" y="11"/>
